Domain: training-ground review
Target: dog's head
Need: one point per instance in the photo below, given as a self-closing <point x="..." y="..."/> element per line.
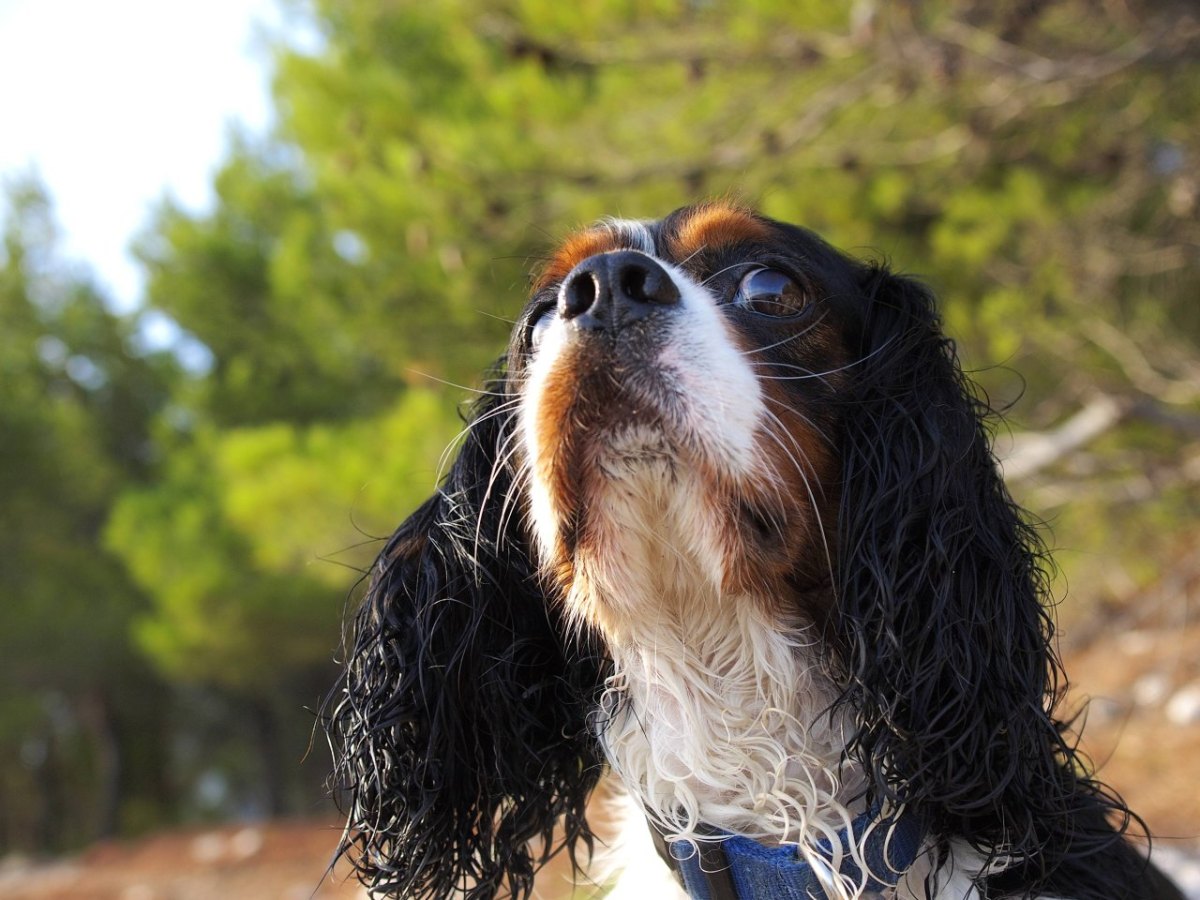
<point x="710" y="408"/>
<point x="678" y="386"/>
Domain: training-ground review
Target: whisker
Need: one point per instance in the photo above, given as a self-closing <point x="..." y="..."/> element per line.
<point x="808" y="373"/>
<point x="454" y="442"/>
<point x="506" y="447"/>
<point x="807" y="421"/>
<point x="687" y="259"/>
<point x="516" y="490"/>
<point x="788" y="339"/>
<point x="804" y="479"/>
<point x="454" y="384"/>
<point x="488" y="315"/>
<point x="720" y="272"/>
<point x="783" y="431"/>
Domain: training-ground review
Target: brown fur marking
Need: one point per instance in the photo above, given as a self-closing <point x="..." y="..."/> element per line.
<point x="715" y="225"/>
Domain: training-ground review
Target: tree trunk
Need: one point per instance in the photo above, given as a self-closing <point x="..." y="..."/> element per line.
<point x="100" y="720"/>
<point x="270" y="750"/>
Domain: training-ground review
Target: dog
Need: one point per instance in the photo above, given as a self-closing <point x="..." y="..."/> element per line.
<point x="726" y="523"/>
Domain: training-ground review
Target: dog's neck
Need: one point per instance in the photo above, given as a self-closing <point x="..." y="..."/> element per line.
<point x="721" y="723"/>
<point x="717" y="714"/>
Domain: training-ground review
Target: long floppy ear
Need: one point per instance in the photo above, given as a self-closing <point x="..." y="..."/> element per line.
<point x="459" y="723"/>
<point x="940" y="616"/>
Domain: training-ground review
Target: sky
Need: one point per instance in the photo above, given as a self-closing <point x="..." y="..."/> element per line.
<point x="115" y="102"/>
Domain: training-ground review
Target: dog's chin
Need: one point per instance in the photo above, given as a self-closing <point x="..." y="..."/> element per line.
<point x="657" y="534"/>
<point x="632" y="452"/>
<point x="603" y="434"/>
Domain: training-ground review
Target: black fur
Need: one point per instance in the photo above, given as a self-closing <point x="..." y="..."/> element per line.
<point x="460" y="724"/>
<point x="460" y="719"/>
<point x="943" y="624"/>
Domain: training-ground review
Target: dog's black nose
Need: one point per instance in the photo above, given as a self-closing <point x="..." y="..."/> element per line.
<point x="609" y="290"/>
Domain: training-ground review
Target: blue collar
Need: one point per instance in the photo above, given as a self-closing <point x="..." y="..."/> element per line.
<point x="732" y="867"/>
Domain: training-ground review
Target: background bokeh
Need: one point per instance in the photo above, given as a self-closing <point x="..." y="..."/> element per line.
<point x="183" y="522"/>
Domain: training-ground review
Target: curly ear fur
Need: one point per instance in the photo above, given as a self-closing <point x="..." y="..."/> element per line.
<point x="941" y="620"/>
<point x="459" y="723"/>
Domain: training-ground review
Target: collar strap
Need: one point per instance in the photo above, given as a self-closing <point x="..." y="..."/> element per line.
<point x="731" y="867"/>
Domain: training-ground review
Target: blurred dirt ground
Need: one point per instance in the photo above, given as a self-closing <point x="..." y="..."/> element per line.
<point x="281" y="860"/>
<point x="1141" y="681"/>
<point x="1142" y="731"/>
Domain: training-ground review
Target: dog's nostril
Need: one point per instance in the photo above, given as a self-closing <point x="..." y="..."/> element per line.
<point x="633" y="282"/>
<point x="644" y="284"/>
<point x="579" y="295"/>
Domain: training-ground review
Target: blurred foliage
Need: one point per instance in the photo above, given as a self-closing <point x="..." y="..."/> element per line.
<point x="1036" y="163"/>
<point x="239" y="542"/>
<point x="76" y="412"/>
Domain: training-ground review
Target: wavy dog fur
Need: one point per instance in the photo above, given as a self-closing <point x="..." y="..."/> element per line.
<point x="460" y="717"/>
<point x="848" y="574"/>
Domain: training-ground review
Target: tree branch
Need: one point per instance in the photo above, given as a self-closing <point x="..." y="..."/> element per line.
<point x="1129" y="356"/>
<point x="1032" y="451"/>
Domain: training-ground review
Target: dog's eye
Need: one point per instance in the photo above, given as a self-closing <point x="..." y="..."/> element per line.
<point x="770" y="293"/>
<point x="539" y="321"/>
